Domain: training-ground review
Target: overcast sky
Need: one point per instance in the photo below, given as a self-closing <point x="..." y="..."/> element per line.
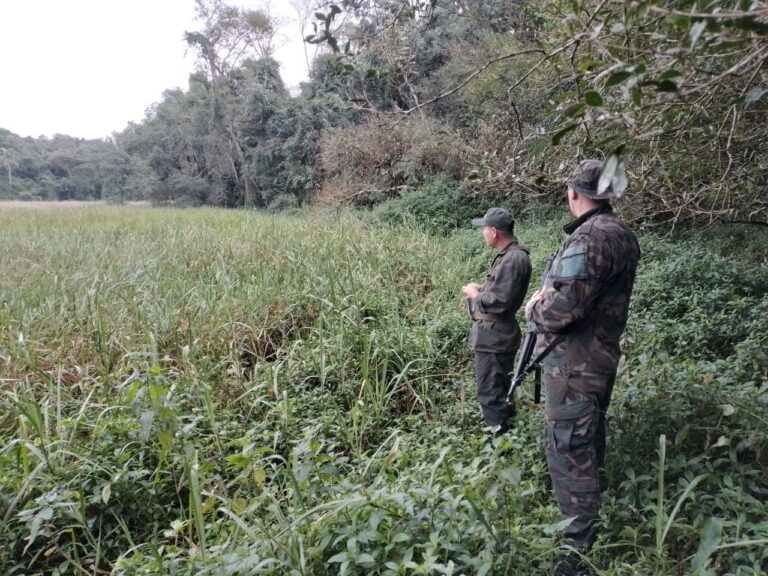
<point x="86" y="68"/>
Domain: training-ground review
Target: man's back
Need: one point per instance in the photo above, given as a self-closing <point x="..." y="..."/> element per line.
<point x="591" y="279"/>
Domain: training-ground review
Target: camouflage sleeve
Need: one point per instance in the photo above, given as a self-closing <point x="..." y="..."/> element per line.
<point x="506" y="291"/>
<point x="575" y="283"/>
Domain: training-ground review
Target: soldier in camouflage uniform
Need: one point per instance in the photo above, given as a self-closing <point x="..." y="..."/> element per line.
<point x="583" y="304"/>
<point x="495" y="334"/>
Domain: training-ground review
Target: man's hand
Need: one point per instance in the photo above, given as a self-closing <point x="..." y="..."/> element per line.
<point x="537" y="297"/>
<point x="471" y="290"/>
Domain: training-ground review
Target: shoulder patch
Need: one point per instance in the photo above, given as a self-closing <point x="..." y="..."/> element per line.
<point x="573" y="262"/>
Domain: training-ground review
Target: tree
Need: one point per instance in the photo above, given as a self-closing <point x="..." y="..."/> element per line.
<point x="230" y="37"/>
<point x="680" y="88"/>
<point x="677" y="88"/>
<point x="9" y="163"/>
<point x="304" y="10"/>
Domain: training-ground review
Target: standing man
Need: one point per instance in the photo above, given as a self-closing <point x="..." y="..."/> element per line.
<point x="583" y="305"/>
<point x="495" y="333"/>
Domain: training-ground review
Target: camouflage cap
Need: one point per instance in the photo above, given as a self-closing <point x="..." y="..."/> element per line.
<point x="585" y="179"/>
<point x="498" y="218"/>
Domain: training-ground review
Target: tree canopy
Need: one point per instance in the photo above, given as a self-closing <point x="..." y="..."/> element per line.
<point x="500" y="97"/>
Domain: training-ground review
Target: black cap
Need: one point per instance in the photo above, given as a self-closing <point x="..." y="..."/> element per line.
<point x="498" y="218"/>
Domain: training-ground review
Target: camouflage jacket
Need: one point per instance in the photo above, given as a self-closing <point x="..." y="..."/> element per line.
<point x="494" y="327"/>
<point x="591" y="281"/>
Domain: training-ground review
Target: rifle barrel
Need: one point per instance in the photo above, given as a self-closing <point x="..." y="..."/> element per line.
<point x="526" y="352"/>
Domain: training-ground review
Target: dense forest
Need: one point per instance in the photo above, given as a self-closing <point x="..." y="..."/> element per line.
<point x="472" y="98"/>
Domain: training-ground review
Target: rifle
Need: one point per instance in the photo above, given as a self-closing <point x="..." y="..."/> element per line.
<point x="524" y="364"/>
<point x="524" y="367"/>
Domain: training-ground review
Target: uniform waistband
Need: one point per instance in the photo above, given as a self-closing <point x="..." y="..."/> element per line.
<point x="493" y="318"/>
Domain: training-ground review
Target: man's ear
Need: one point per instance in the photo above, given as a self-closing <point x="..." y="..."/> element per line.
<point x="573" y="195"/>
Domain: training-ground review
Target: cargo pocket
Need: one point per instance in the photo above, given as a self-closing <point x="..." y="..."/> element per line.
<point x="571" y="426"/>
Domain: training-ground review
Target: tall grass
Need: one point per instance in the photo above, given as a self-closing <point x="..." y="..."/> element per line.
<point x="216" y="392"/>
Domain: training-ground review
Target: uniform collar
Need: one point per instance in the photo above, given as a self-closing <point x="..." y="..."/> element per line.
<point x="508" y="246"/>
<point x="573" y="225"/>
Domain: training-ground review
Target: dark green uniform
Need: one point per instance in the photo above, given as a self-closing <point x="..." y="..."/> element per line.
<point x="591" y="283"/>
<point x="495" y="334"/>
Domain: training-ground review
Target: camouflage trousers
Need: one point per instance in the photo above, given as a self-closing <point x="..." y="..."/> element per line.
<point x="575" y="410"/>
<point x="492" y="373"/>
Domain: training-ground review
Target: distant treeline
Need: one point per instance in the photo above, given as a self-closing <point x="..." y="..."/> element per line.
<point x="496" y="98"/>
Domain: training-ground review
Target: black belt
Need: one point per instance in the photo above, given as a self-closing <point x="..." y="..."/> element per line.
<point x="492" y="318"/>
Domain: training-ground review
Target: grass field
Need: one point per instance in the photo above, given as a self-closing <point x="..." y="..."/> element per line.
<point x="224" y="392"/>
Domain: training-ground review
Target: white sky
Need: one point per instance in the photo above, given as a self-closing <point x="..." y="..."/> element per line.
<point x="86" y="68"/>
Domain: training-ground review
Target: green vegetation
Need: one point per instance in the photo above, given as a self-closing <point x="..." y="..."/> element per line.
<point x="218" y="392"/>
<point x="212" y="392"/>
<point x="439" y="207"/>
<point x="500" y="98"/>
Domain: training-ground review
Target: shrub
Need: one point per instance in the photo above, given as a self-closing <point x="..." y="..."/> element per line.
<point x="440" y="207"/>
<point x="283" y="203"/>
<point x="371" y="162"/>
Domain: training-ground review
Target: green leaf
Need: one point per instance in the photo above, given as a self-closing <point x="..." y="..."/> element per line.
<point x="593" y="98"/>
<point x="365" y="559"/>
<point x="511" y="475"/>
<point x="637" y="96"/>
<point x="106" y="493"/>
<point x="38" y="520"/>
<point x="682" y="435"/>
<point x="727" y="409"/>
<point x="670" y="74"/>
<point x="576" y="109"/>
<point x="562" y="132"/>
<point x="628" y="532"/>
<point x="722" y="441"/>
<point x="340" y="557"/>
<point x="710" y="539"/>
<point x="147" y="418"/>
<point x="618" y="77"/>
<point x="400" y="537"/>
<point x="666" y="86"/>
